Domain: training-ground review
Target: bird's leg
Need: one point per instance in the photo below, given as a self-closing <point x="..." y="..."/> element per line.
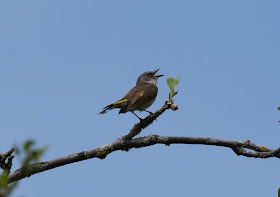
<point x="151" y="113"/>
<point x="137" y="116"/>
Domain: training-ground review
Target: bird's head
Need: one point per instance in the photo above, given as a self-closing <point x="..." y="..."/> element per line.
<point x="148" y="77"/>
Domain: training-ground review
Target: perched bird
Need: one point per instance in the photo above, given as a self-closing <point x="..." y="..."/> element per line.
<point x="141" y="97"/>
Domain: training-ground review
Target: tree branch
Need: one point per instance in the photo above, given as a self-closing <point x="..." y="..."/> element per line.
<point x="126" y="143"/>
<point x="137" y="128"/>
<point x="237" y="146"/>
<point x="6" y="165"/>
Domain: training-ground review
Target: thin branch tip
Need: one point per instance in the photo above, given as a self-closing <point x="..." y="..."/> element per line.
<point x="6" y="160"/>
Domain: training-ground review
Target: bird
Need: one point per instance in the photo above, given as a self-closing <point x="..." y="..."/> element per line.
<point x="139" y="98"/>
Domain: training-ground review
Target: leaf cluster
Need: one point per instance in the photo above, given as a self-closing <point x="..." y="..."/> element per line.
<point x="30" y="152"/>
<point x="171" y="82"/>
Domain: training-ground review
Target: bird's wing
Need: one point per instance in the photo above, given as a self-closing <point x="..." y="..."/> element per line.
<point x="142" y="95"/>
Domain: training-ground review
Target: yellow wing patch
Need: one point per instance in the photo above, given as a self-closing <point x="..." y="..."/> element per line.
<point x="141" y="93"/>
<point x="120" y="101"/>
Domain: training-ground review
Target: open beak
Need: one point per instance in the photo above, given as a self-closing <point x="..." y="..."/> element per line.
<point x="157" y="75"/>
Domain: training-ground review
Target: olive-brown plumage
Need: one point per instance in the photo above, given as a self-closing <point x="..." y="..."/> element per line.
<point x="141" y="97"/>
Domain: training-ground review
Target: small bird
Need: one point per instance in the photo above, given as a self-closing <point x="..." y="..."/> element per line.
<point x="139" y="98"/>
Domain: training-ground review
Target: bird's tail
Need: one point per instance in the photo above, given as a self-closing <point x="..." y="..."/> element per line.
<point x="117" y="104"/>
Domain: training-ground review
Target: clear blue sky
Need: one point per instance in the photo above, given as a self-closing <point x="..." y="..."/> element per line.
<point x="61" y="62"/>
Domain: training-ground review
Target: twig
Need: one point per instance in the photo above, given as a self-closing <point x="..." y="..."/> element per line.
<point x="7" y="165"/>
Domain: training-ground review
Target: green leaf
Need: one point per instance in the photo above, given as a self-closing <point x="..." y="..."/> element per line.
<point x="4" y="179"/>
<point x="170" y="82"/>
<point x="278" y="108"/>
<point x="176" y="82"/>
<point x="28" y="144"/>
<point x="38" y="153"/>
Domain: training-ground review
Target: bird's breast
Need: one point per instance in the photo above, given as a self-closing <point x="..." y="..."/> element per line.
<point x="146" y="105"/>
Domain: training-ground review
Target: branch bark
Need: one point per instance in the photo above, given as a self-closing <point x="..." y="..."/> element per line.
<point x="125" y="143"/>
<point x="6" y="160"/>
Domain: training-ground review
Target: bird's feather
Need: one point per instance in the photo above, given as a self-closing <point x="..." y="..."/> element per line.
<point x="117" y="104"/>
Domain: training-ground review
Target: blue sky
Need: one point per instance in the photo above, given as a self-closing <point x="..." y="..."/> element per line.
<point x="61" y="62"/>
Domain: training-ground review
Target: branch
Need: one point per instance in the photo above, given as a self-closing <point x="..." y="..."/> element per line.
<point x="137" y="128"/>
<point x="126" y="143"/>
<point x="6" y="165"/>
